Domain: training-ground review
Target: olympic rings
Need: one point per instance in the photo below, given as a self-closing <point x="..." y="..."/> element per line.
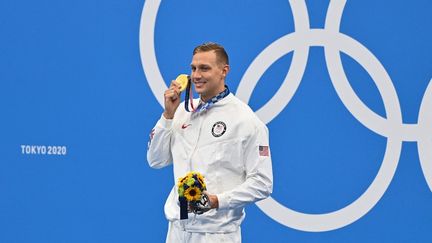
<point x="333" y="42"/>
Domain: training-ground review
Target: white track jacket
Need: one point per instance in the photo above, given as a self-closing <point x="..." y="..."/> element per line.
<point x="229" y="146"/>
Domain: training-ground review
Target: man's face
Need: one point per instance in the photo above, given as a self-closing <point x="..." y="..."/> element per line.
<point x="207" y="74"/>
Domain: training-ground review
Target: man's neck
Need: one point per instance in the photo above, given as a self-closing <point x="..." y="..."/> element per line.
<point x="208" y="97"/>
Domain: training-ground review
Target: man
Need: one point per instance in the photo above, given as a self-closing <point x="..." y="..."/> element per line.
<point x="223" y="140"/>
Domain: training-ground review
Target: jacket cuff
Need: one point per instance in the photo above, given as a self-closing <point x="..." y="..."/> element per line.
<point x="224" y="201"/>
<point x="165" y="123"/>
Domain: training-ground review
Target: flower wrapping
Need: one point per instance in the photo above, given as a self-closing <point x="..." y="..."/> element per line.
<point x="190" y="190"/>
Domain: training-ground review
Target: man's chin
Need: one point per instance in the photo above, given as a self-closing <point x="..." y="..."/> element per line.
<point x="199" y="91"/>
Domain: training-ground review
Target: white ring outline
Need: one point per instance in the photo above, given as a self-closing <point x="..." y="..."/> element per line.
<point x="392" y="127"/>
<point x="147" y="50"/>
<point x="362" y="205"/>
<point x="424" y="143"/>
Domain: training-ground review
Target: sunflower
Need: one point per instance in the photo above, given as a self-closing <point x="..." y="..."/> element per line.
<point x="191" y="186"/>
<point x="182" y="180"/>
<point x="201" y="180"/>
<point x="193" y="193"/>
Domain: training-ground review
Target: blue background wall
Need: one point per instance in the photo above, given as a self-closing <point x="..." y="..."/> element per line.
<point x="71" y="76"/>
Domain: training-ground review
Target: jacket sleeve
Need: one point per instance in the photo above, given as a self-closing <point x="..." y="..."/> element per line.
<point x="159" y="145"/>
<point x="259" y="175"/>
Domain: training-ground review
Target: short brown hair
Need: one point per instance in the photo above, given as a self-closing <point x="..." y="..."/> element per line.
<point x="221" y="54"/>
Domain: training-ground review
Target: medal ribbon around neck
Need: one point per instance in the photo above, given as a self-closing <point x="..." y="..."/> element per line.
<point x="203" y="106"/>
<point x="207" y="105"/>
<point x="185" y="83"/>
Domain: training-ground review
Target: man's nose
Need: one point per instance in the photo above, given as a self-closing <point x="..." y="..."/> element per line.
<point x="196" y="75"/>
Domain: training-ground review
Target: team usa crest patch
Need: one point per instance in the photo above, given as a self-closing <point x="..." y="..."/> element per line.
<point x="218" y="129"/>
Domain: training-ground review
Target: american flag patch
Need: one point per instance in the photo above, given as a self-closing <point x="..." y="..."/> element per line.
<point x="263" y="150"/>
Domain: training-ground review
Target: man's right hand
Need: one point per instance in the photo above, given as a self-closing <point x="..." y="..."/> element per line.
<point x="172" y="100"/>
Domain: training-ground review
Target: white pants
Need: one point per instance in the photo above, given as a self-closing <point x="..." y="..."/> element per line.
<point x="177" y="235"/>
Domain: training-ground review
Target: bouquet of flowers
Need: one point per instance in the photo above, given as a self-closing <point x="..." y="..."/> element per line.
<point x="192" y="198"/>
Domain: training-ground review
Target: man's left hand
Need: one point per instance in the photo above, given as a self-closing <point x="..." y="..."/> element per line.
<point x="207" y="202"/>
<point x="214" y="202"/>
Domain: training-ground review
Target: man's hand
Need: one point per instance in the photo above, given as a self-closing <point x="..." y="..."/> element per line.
<point x="172" y="100"/>
<point x="206" y="203"/>
<point x="214" y="202"/>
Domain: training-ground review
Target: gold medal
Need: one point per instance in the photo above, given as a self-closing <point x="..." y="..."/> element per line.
<point x="182" y="80"/>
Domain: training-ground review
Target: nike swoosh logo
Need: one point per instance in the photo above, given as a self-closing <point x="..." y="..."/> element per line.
<point x="185" y="126"/>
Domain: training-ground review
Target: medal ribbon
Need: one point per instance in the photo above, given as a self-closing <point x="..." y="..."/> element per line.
<point x="203" y="105"/>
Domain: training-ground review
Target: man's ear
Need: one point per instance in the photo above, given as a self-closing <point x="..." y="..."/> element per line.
<point x="225" y="70"/>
